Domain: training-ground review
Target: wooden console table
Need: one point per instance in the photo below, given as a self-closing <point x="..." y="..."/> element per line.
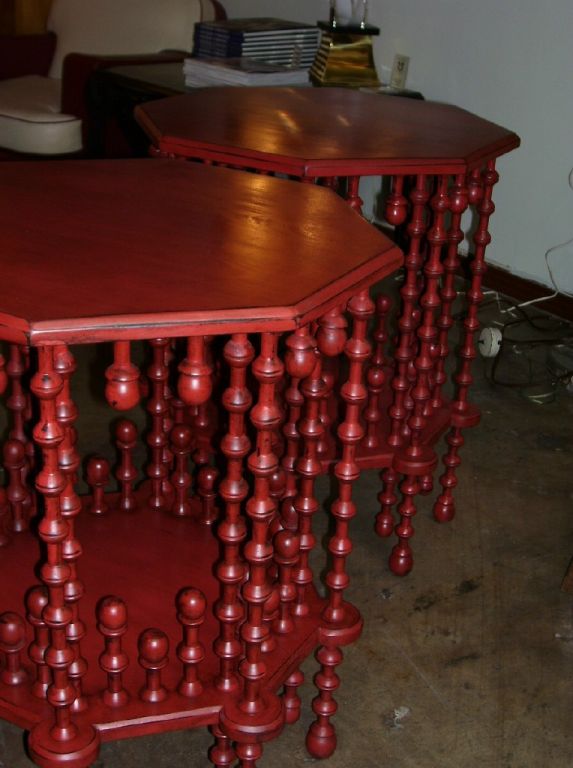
<point x="159" y="605"/>
<point x="438" y="162"/>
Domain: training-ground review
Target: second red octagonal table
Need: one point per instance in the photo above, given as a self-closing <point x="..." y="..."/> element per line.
<point x="439" y="164"/>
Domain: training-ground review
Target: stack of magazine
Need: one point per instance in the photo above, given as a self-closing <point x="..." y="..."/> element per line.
<point x="289" y="43"/>
<point x="240" y="71"/>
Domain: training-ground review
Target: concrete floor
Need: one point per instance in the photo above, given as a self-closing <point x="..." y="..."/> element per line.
<point x="468" y="661"/>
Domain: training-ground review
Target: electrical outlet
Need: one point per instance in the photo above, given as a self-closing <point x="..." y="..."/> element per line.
<point x="399" y="71"/>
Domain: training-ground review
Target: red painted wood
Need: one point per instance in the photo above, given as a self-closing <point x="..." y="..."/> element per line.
<point x="227" y="262"/>
<point x="322" y="131"/>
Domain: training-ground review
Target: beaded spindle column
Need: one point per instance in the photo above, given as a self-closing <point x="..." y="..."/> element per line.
<point x="181" y="438"/>
<point x="352" y="196"/>
<point x="235" y="446"/>
<point x="416" y="462"/>
<point x="465" y="415"/>
<point x="331" y="330"/>
<point x="191" y="606"/>
<point x="122" y="390"/>
<point x="236" y="717"/>
<point x="17" y="402"/>
<point x="14" y="455"/>
<point x="158" y="408"/>
<point x="97" y="475"/>
<point x="112" y="624"/>
<point x="457" y="205"/>
<point x="396" y="214"/>
<point x="70" y="507"/>
<point x="50" y="739"/>
<point x="12" y="640"/>
<point x="343" y="623"/>
<point x="221" y="754"/>
<point x="207" y="492"/>
<point x="153" y="647"/>
<point x="126" y="473"/>
<point x="376" y="375"/>
<point x="308" y="468"/>
<point x="36" y="601"/>
<point x="299" y="353"/>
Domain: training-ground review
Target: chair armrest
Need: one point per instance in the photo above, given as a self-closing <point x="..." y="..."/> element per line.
<point x="220" y="12"/>
<point x="26" y="54"/>
<point x="78" y="68"/>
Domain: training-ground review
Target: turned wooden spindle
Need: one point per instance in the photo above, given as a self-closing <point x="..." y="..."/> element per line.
<point x="97" y="473"/>
<point x="286" y="547"/>
<point x="331" y="337"/>
<point x="111" y="615"/>
<point x="17" y="401"/>
<point x="50" y="736"/>
<point x="321" y="736"/>
<point x="14" y="454"/>
<point x="352" y="196"/>
<point x="3" y="375"/>
<point x="308" y="468"/>
<point x="376" y="376"/>
<point x="270" y="615"/>
<point x="158" y="408"/>
<point x="126" y="473"/>
<point x="299" y="362"/>
<point x="181" y="439"/>
<point x="464" y="415"/>
<point x="265" y="416"/>
<point x="407" y="322"/>
<point x="122" y="390"/>
<point x="12" y="640"/>
<point x="191" y="606"/>
<point x="70" y="507"/>
<point x="221" y="754"/>
<point x="207" y="491"/>
<point x="248" y="754"/>
<point x="384" y="525"/>
<point x="291" y="699"/>
<point x="153" y="647"/>
<point x="233" y="489"/>
<point x="4" y="519"/>
<point x="36" y="601"/>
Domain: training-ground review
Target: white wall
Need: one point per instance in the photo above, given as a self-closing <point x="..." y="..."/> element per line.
<point x="510" y="61"/>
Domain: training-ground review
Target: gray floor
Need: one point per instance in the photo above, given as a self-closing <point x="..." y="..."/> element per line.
<point x="468" y="661"/>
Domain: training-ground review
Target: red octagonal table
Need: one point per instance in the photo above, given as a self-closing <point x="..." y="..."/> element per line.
<point x="158" y="605"/>
<point x="438" y="163"/>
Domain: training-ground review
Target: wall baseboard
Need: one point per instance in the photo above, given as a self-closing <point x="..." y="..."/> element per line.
<point x="522" y="289"/>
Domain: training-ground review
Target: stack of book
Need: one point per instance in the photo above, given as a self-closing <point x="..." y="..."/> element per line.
<point x="268" y="39"/>
<point x="240" y="71"/>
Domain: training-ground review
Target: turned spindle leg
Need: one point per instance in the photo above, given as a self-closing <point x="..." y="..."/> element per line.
<point x="97" y="475"/>
<point x="387" y="497"/>
<point x="233" y="489"/>
<point x="112" y="624"/>
<point x="254" y="706"/>
<point x="122" y="390"/>
<point x="299" y="349"/>
<point x="70" y="506"/>
<point x="464" y="415"/>
<point x="36" y="601"/>
<point x="191" y="606"/>
<point x="207" y="492"/>
<point x="14" y="454"/>
<point x="291" y="699"/>
<point x="221" y="754"/>
<point x="286" y="547"/>
<point x="157" y="406"/>
<point x="352" y="196"/>
<point x="153" y="647"/>
<point x="321" y="738"/>
<point x="126" y="473"/>
<point x="331" y="337"/>
<point x="181" y="439"/>
<point x="376" y="376"/>
<point x="51" y="739"/>
<point x="12" y="640"/>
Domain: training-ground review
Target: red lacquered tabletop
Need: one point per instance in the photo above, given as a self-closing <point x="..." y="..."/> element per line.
<point x="139" y="248"/>
<point x="322" y="131"/>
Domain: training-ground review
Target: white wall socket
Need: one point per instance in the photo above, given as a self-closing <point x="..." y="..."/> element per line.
<point x="399" y="71"/>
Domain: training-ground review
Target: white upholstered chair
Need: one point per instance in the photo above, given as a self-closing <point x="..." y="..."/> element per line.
<point x="43" y="78"/>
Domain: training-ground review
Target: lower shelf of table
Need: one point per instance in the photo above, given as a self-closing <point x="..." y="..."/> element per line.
<point x="145" y="557"/>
